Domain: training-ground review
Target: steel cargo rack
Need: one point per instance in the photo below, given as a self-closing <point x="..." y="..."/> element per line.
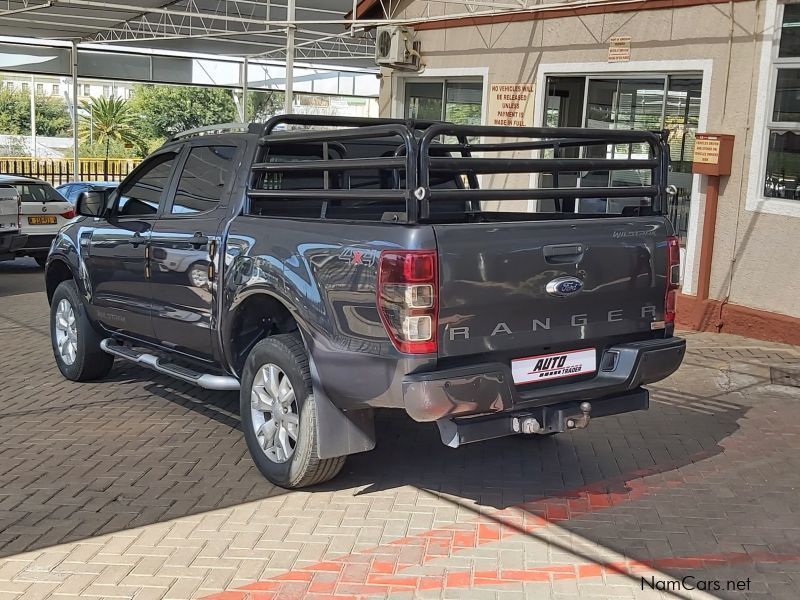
<point x="424" y="149"/>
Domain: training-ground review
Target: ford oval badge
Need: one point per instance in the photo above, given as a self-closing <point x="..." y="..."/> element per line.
<point x="564" y="286"/>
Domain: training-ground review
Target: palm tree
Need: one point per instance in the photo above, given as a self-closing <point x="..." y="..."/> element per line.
<point x="107" y="120"/>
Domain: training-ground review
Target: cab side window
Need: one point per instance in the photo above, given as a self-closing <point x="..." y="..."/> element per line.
<point x="203" y="179"/>
<point x="142" y="195"/>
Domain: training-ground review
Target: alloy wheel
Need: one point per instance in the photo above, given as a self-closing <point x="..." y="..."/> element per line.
<point x="66" y="332"/>
<point x="274" y="412"/>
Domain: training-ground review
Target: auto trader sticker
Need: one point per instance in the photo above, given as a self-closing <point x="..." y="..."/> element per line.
<point x="553" y="366"/>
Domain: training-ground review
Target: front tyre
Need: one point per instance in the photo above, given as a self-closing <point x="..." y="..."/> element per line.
<point x="279" y="415"/>
<point x="76" y="345"/>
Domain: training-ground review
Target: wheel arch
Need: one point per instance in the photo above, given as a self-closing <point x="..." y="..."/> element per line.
<point x="254" y="317"/>
<point x="339" y="433"/>
<point x="57" y="272"/>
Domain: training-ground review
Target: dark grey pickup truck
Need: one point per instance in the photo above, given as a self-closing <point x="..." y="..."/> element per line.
<point x="495" y="280"/>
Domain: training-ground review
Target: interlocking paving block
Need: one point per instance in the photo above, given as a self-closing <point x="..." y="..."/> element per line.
<point x="141" y="487"/>
<point x="785" y="374"/>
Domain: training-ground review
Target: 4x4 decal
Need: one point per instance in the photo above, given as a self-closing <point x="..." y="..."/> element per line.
<point x="359" y="256"/>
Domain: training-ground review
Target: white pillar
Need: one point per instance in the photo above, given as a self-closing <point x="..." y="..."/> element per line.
<point x="244" y="89"/>
<point x="289" y="94"/>
<point x="33" y="116"/>
<point x="75" y="145"/>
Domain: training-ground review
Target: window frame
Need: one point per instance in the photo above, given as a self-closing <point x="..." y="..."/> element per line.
<point x="113" y="214"/>
<point x="444" y="81"/>
<point x="776" y="63"/>
<point x="183" y="158"/>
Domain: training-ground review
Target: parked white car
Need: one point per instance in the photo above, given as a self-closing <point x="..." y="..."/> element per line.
<point x="42" y="212"/>
<point x="10" y="238"/>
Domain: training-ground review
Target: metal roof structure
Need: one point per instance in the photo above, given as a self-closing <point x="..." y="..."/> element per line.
<point x="252" y="28"/>
<point x="335" y="32"/>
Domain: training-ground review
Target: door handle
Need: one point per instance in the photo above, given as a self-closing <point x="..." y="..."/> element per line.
<point x="564" y="253"/>
<point x="198" y="240"/>
<point x="137" y="239"/>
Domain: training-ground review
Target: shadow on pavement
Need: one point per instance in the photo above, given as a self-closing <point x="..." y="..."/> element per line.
<point x="138" y="448"/>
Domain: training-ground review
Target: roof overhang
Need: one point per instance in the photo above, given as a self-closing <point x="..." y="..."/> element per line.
<point x="251" y="28"/>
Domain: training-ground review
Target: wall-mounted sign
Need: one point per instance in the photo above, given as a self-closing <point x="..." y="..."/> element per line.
<point x="713" y="154"/>
<point x="511" y="104"/>
<point x="706" y="150"/>
<point x="619" y="48"/>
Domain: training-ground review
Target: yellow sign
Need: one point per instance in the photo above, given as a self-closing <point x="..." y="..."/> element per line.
<point x="619" y="49"/>
<point x="706" y="150"/>
<point x="511" y="104"/>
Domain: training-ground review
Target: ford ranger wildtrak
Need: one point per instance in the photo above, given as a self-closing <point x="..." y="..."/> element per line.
<point x="494" y="280"/>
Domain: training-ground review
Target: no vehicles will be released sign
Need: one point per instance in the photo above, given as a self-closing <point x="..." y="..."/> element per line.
<point x="511" y="104"/>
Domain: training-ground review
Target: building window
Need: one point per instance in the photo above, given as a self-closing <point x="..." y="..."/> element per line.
<point x="455" y="100"/>
<point x="25" y="86"/>
<point x="56" y="90"/>
<point x="107" y="91"/>
<point x="782" y="177"/>
<point x="87" y="89"/>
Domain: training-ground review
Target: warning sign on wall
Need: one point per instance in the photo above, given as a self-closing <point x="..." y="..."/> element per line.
<point x="511" y="104"/>
<point x="619" y="48"/>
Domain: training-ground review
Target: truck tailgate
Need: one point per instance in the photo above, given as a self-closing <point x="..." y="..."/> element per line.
<point x="494" y="280"/>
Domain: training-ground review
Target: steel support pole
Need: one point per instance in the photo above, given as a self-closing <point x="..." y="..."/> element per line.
<point x="245" y="90"/>
<point x="289" y="94"/>
<point x="75" y="144"/>
<point x="33" y="116"/>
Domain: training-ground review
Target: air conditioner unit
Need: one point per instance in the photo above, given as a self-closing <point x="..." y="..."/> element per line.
<point x="395" y="47"/>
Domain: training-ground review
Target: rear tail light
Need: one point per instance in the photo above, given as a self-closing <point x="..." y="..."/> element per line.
<point x="673" y="277"/>
<point x="407" y="299"/>
<point x="70" y="214"/>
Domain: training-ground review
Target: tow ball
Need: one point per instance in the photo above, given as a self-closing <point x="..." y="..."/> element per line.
<point x="582" y="421"/>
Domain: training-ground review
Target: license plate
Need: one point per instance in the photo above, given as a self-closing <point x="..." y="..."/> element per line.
<point x="554" y="366"/>
<point x="43" y="220"/>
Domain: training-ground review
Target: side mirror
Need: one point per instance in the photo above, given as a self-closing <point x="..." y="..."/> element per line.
<point x="91" y="204"/>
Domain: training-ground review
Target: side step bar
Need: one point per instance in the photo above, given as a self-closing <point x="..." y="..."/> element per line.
<point x="204" y="380"/>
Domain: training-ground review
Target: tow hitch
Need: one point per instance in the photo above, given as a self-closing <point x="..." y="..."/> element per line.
<point x="528" y="424"/>
<point x="540" y="420"/>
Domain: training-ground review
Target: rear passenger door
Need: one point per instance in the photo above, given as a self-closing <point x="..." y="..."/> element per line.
<point x="184" y="244"/>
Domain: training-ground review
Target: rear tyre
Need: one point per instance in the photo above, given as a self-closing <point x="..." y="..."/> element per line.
<point x="76" y="345"/>
<point x="279" y="415"/>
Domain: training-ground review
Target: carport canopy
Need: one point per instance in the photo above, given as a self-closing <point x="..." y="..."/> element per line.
<point x="319" y="30"/>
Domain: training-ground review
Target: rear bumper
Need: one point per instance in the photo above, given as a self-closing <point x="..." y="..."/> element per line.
<point x="10" y="243"/>
<point x="488" y="388"/>
<point x="37" y="244"/>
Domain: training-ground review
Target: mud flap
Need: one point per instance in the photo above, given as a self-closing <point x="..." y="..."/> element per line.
<point x="340" y="433"/>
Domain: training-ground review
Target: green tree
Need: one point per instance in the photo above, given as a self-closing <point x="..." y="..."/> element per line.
<point x="166" y="110"/>
<point x="263" y="105"/>
<point x="52" y="115"/>
<point x="108" y="121"/>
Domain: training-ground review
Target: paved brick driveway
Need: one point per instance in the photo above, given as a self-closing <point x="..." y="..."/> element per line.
<point x="141" y="487"/>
